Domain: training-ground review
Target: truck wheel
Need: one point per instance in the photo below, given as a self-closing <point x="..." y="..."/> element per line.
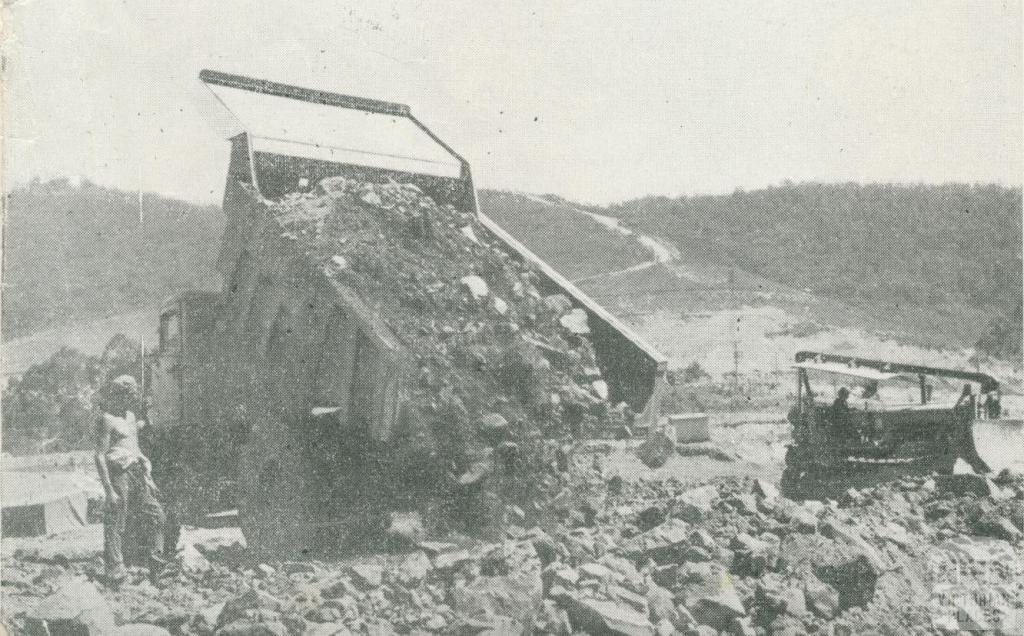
<point x="272" y="511"/>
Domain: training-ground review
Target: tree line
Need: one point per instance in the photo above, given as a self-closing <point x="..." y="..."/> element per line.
<point x="76" y="251"/>
<point x="953" y="246"/>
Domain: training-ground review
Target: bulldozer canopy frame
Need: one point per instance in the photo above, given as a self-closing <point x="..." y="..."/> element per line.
<point x="863" y="367"/>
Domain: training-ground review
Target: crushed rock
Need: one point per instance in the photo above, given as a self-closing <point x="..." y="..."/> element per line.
<point x="610" y="572"/>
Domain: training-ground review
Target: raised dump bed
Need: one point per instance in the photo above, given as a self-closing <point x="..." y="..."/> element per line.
<point x="379" y="344"/>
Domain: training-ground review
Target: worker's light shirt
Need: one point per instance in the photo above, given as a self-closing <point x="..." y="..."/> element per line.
<point x="124" y="440"/>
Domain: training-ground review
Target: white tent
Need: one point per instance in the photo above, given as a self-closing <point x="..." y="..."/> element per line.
<point x="36" y="504"/>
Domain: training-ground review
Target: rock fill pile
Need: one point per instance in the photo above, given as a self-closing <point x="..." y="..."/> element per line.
<point x="924" y="555"/>
<point x="497" y="369"/>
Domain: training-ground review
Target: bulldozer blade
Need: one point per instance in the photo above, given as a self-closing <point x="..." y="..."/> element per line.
<point x="1000" y="444"/>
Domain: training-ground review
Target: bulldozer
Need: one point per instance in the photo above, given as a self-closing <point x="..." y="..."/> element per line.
<point x="248" y="379"/>
<point x="858" y="422"/>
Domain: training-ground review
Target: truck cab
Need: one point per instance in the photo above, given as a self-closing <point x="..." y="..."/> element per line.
<point x="183" y="352"/>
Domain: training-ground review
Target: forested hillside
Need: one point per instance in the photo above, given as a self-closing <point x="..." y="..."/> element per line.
<point x="884" y="246"/>
<point x="77" y="252"/>
<point x="80" y="252"/>
<point x="572" y="243"/>
<point x="51" y="407"/>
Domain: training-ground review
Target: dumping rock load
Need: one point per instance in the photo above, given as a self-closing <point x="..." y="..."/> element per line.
<point x="369" y="334"/>
<point x="496" y="368"/>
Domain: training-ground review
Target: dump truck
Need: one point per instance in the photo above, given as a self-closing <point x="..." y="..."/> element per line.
<point x="859" y="421"/>
<point x="251" y="381"/>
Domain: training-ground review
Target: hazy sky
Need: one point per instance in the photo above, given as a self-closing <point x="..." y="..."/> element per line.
<point x="598" y="101"/>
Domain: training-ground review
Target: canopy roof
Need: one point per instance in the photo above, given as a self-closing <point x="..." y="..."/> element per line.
<point x="33" y="488"/>
<point x="298" y="122"/>
<point x="865" y="373"/>
<point x="841" y="363"/>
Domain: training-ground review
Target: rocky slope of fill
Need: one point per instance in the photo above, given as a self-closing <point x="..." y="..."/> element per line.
<point x="921" y="556"/>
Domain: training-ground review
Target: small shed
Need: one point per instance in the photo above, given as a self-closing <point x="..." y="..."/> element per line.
<point x="690" y="427"/>
<point x="37" y="504"/>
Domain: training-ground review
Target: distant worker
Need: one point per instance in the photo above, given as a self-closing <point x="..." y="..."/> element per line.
<point x="841" y="403"/>
<point x="967" y="395"/>
<point x="132" y="511"/>
<point x="870" y="390"/>
<point x="993" y="409"/>
<point x="841" y="413"/>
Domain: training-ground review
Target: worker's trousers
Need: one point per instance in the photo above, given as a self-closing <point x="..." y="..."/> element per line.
<point x="133" y="528"/>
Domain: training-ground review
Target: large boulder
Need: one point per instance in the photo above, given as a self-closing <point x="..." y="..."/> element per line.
<point x="785" y="625"/>
<point x="754" y="556"/>
<point x="413" y="569"/>
<point x="76" y="608"/>
<point x="822" y="598"/>
<point x="707" y="592"/>
<point x="661" y="605"/>
<point x="139" y="629"/>
<point x="251" y="604"/>
<point x="452" y="559"/>
<point x="695" y="504"/>
<point x="656" y="449"/>
<point x="764" y="489"/>
<point x="557" y="304"/>
<point x="513" y="592"/>
<point x="576" y="321"/>
<point x="406" y="528"/>
<point x="775" y="596"/>
<point x="994" y="524"/>
<point x="628" y="598"/>
<point x="665" y="543"/>
<point x="701" y="538"/>
<point x="848" y="567"/>
<point x="625" y="572"/>
<point x="192" y="560"/>
<point x="327" y="629"/>
<point x="804" y="520"/>
<point x="593" y="616"/>
<point x="715" y="603"/>
<point x="517" y="597"/>
<point x="544" y="545"/>
<point x="595" y="571"/>
<point x="743" y="503"/>
<point x="850" y="534"/>
<point x="553" y="620"/>
<point x="253" y="627"/>
<point x="367" y="575"/>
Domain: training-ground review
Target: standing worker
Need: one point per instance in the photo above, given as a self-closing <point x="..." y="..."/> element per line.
<point x="132" y="509"/>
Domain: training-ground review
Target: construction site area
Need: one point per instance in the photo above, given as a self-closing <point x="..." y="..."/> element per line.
<point x="394" y="416"/>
